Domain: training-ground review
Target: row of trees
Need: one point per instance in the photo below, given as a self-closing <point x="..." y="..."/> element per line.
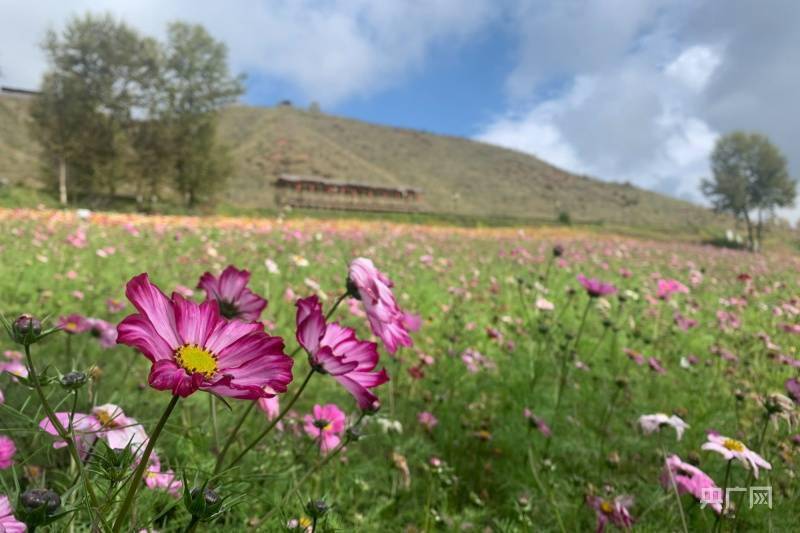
<point x="121" y="113"/>
<point x="750" y="180"/>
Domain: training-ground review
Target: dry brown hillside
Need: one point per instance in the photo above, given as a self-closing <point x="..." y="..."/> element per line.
<point x="456" y="174"/>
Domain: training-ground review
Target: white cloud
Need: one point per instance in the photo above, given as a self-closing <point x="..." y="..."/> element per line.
<point x="330" y="50"/>
<point x="668" y="79"/>
<point x="695" y="66"/>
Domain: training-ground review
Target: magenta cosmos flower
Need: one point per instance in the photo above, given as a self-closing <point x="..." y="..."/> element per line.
<point x="193" y="348"/>
<point x="74" y="323"/>
<point x="614" y="511"/>
<point x="231" y="292"/>
<point x="689" y="480"/>
<point x="8" y="523"/>
<point x="596" y="288"/>
<point x="668" y="287"/>
<point x="335" y="350"/>
<point x="386" y="319"/>
<point x="325" y="424"/>
<point x="7" y="451"/>
<point x="733" y="449"/>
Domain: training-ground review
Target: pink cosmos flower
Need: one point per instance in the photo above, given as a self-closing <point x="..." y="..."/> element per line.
<point x="78" y="239"/>
<point x="193" y="348"/>
<point x="542" y="304"/>
<point x="335" y="350"/>
<point x="114" y="305"/>
<point x="74" y="323"/>
<point x="635" y="356"/>
<point x="596" y="288"/>
<point x="653" y="423"/>
<point x="326" y="424"/>
<point x="85" y="428"/>
<point x="728" y="321"/>
<point x="655" y="365"/>
<point x="105" y="332"/>
<point x="16" y="368"/>
<point x="156" y="479"/>
<point x="689" y="480"/>
<point x="231" y="292"/>
<point x="668" y="287"/>
<point x="734" y="449"/>
<point x="119" y="430"/>
<point x="684" y="323"/>
<point x="7" y="451"/>
<point x="537" y="422"/>
<point x="9" y="524"/>
<point x="614" y="511"/>
<point x="792" y="386"/>
<point x="271" y="408"/>
<point x="386" y="319"/>
<point x="427" y="420"/>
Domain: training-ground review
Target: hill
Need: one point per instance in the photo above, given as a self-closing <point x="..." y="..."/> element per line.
<point x="457" y="175"/>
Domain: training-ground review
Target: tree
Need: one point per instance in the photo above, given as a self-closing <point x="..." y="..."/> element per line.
<point x="196" y="83"/>
<point x="101" y="74"/>
<point x="750" y="177"/>
<point x="119" y="111"/>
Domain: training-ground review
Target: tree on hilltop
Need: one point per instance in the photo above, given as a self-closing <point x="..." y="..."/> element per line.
<point x="750" y="179"/>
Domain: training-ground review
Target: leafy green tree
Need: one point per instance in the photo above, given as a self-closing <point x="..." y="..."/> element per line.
<point x="750" y="178"/>
<point x="100" y="77"/>
<point x="196" y="84"/>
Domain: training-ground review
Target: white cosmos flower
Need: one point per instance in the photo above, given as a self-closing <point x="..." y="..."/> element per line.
<point x="652" y="423"/>
<point x="734" y="449"/>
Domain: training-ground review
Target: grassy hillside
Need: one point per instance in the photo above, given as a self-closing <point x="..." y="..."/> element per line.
<point x="457" y="175"/>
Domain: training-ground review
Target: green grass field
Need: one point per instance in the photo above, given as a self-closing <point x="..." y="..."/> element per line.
<point x="485" y="352"/>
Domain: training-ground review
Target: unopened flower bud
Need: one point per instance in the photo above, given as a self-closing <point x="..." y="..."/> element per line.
<point x="778" y="403"/>
<point x="354" y="433"/>
<point x="317" y="508"/>
<point x="558" y="250"/>
<point x="26" y="329"/>
<point x="352" y="289"/>
<point x="36" y="506"/>
<point x="202" y="503"/>
<point x="73" y="380"/>
<point x="373" y="408"/>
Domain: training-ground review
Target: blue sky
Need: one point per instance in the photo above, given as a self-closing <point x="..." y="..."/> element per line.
<point x="622" y="90"/>
<point x="455" y="92"/>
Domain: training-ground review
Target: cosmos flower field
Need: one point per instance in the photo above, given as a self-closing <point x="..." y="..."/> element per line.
<point x="397" y="378"/>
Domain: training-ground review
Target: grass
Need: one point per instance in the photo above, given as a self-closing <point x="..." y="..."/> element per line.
<point x="476" y="290"/>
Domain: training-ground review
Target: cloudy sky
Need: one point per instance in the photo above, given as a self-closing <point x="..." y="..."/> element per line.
<point x="624" y="90"/>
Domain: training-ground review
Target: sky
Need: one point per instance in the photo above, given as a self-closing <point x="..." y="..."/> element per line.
<point x="620" y="90"/>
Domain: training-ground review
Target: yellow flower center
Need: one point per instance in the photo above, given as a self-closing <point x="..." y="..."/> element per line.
<point x="606" y="507"/>
<point x="305" y="522"/>
<point x="71" y="326"/>
<point x="328" y="427"/>
<point x="106" y="420"/>
<point x="195" y="359"/>
<point x="733" y="445"/>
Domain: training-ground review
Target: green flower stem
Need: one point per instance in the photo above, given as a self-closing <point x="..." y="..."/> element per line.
<point x="137" y="475"/>
<point x="246" y="413"/>
<point x="547" y="493"/>
<point x="62" y="433"/>
<point x="674" y="487"/>
<point x="566" y="358"/>
<point x="322" y="462"/>
<point x="274" y="423"/>
<point x="232" y="436"/>
<point x="718" y="523"/>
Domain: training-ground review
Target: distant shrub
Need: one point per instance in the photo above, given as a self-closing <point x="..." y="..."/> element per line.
<point x="564" y="218"/>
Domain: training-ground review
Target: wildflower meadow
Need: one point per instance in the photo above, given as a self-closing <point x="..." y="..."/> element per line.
<point x="228" y="374"/>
